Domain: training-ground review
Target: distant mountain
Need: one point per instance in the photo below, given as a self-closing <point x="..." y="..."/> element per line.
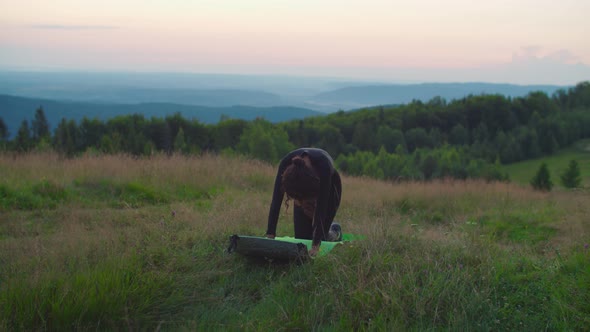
<point x="177" y="88"/>
<point x="13" y="110"/>
<point x="216" y="90"/>
<point x="363" y="96"/>
<point x="133" y="95"/>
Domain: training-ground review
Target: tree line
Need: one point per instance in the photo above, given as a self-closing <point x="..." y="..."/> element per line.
<point x="463" y="138"/>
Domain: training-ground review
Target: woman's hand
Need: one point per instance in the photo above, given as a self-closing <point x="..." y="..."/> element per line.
<point x="314" y="250"/>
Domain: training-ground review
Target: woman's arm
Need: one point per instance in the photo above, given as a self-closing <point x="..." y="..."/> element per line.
<point x="277" y="198"/>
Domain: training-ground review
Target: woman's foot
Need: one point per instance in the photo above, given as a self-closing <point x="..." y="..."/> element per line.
<point x="335" y="233"/>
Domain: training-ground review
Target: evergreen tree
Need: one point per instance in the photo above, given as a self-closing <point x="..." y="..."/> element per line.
<point x="91" y="131"/>
<point x="22" y="141"/>
<point x="66" y="138"/>
<point x="3" y="135"/>
<point x="180" y="142"/>
<point x="571" y="178"/>
<point x="39" y="125"/>
<point x="542" y="180"/>
<point x="3" y="131"/>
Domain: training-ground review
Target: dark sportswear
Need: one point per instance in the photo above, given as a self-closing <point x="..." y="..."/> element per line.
<point x="327" y="203"/>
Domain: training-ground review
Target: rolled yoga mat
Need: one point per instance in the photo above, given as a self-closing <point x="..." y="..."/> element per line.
<point x="284" y="248"/>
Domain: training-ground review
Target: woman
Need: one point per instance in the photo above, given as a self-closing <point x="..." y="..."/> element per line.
<point x="308" y="177"/>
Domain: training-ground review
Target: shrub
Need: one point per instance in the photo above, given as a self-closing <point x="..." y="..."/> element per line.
<point x="571" y="178"/>
<point x="542" y="180"/>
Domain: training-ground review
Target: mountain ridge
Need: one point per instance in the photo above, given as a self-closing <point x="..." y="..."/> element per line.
<point x="15" y="109"/>
<point x="388" y="94"/>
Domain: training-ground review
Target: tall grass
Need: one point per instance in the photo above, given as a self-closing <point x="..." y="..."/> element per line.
<point x="113" y="242"/>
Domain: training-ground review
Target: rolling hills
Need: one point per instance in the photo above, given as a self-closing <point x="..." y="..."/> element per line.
<point x="386" y="94"/>
<point x="13" y="110"/>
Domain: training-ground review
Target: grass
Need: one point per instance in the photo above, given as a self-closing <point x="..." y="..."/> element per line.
<point x="117" y="243"/>
<point x="523" y="172"/>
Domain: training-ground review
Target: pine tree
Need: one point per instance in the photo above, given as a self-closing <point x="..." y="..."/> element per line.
<point x="571" y="178"/>
<point x="542" y="180"/>
<point x="3" y="135"/>
<point x="179" y="142"/>
<point x="3" y="130"/>
<point x="39" y="125"/>
<point x="22" y="141"/>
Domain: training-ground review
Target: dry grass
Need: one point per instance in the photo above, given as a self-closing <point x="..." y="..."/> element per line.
<point x="411" y="227"/>
<point x="202" y="170"/>
<point x="368" y="206"/>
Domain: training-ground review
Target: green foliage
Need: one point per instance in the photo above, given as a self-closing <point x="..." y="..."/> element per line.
<point x="180" y="142"/>
<point x="557" y="164"/>
<point x="264" y="141"/>
<point x="39" y="125"/>
<point x="542" y="179"/>
<point x="41" y="195"/>
<point x="227" y="133"/>
<point x="3" y="131"/>
<point x="22" y="141"/>
<point x="331" y="139"/>
<point x="422" y="164"/>
<point x="137" y="194"/>
<point x="571" y="178"/>
<point x="482" y="129"/>
<point x="418" y="138"/>
<point x="67" y="138"/>
<point x="521" y="228"/>
<point x="459" y="135"/>
<point x="390" y="138"/>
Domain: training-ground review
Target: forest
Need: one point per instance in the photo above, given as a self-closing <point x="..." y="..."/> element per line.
<point x="463" y="138"/>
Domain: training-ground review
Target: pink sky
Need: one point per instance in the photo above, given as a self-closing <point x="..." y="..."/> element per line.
<point x="369" y="39"/>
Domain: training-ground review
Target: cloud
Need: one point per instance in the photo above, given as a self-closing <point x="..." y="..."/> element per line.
<point x="531" y="51"/>
<point x="72" y="27"/>
<point x="536" y="53"/>
<point x="563" y="56"/>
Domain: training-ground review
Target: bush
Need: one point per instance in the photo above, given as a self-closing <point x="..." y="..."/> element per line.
<point x="542" y="180"/>
<point x="571" y="178"/>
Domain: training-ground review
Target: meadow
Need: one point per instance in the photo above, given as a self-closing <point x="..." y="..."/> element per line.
<point x="523" y="172"/>
<point x="120" y="243"/>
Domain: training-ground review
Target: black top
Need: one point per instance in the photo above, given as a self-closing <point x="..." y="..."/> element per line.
<point x="324" y="166"/>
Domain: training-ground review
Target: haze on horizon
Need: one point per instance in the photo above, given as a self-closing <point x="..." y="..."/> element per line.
<point x="522" y="42"/>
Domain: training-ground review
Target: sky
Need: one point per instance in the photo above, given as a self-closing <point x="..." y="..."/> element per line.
<point x="517" y="41"/>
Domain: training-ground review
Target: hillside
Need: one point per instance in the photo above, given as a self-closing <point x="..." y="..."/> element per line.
<point x="13" y="110"/>
<point x="523" y="172"/>
<point x="216" y="90"/>
<point x="388" y="94"/>
<point x="111" y="241"/>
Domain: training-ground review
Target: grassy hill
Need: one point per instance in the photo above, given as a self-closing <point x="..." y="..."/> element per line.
<point x="523" y="172"/>
<point x="115" y="242"/>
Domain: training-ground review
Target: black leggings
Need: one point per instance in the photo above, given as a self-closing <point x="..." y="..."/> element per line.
<point x="304" y="225"/>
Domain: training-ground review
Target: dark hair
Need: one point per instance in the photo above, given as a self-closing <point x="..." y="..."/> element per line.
<point x="300" y="181"/>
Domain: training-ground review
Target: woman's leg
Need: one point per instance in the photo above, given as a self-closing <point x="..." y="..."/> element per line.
<point x="334" y="230"/>
<point x="335" y="197"/>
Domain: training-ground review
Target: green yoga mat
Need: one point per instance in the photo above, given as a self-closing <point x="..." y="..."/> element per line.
<point x="326" y="246"/>
<point x="283" y="248"/>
